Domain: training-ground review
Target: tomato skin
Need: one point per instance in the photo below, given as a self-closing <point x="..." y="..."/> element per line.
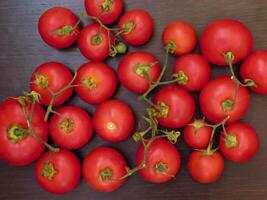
<point x="113" y="120"/>
<point x="226" y="35"/>
<point x="197" y="70"/>
<point x="130" y="79"/>
<point x="160" y="150"/>
<point x="143" y="27"/>
<point x="205" y="168"/>
<point x="215" y="93"/>
<point x="105" y="80"/>
<point x="77" y="136"/>
<point x="255" y="68"/>
<point x="94" y="8"/>
<point x="100" y="159"/>
<point x="247" y="143"/>
<point x="68" y="171"/>
<point x="56" y="18"/>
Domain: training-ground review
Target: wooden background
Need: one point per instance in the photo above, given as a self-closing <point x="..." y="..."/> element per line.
<point x="22" y="51"/>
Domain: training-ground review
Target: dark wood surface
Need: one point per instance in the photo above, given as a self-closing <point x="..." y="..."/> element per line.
<point x="22" y="51"/>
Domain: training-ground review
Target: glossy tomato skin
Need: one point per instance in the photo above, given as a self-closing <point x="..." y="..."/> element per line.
<point x="113" y="120"/>
<point x="226" y="35"/>
<point x="142" y="27"/>
<point x="195" y="68"/>
<point x="255" y="68"/>
<point x="95" y="7"/>
<point x="53" y="76"/>
<point x="97" y="82"/>
<point x="245" y="146"/>
<point x="128" y="76"/>
<point x="72" y="128"/>
<point x="67" y="171"/>
<point x="205" y="168"/>
<point x="100" y="159"/>
<point x="160" y="151"/>
<point x="181" y="106"/>
<point x="182" y="34"/>
<point x="56" y="18"/>
<point x="28" y="148"/>
<point x="215" y="93"/>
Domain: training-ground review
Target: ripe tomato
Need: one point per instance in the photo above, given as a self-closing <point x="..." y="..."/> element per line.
<point x="240" y="143"/>
<point x="255" y="68"/>
<point x="113" y="120"/>
<point x="97" y="82"/>
<point x="94" y="42"/>
<point x="58" y="172"/>
<point x="162" y="161"/>
<point x="179" y="37"/>
<point x="136" y="26"/>
<point x="205" y="168"/>
<point x="18" y="146"/>
<point x="192" y="72"/>
<point x="177" y="105"/>
<point x="52" y="76"/>
<point x="71" y="127"/>
<point x="107" y="10"/>
<point x="102" y="165"/>
<point x="138" y="67"/>
<point x="217" y="100"/>
<point x="223" y="36"/>
<point x="58" y="27"/>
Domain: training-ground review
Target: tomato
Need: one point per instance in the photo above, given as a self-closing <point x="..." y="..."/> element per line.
<point x="18" y="147"/>
<point x="71" y="127"/>
<point x="255" y="68"/>
<point x="177" y="105"/>
<point x="101" y="165"/>
<point x="192" y="72"/>
<point x="223" y="36"/>
<point x="94" y="42"/>
<point x="136" y="26"/>
<point x="135" y="68"/>
<point x="51" y="76"/>
<point x="162" y="161"/>
<point x="179" y="37"/>
<point x="113" y="120"/>
<point x="58" y="172"/>
<point x="58" y="27"/>
<point x="205" y="168"/>
<point x="107" y="10"/>
<point x="96" y="82"/>
<point x="240" y="143"/>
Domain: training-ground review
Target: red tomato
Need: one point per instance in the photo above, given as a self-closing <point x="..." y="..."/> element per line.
<point x="178" y="106"/>
<point x="223" y="36"/>
<point x="179" y="37"/>
<point x="97" y="82"/>
<point x="205" y="168"/>
<point x="240" y="144"/>
<point x="95" y="42"/>
<point x="107" y="10"/>
<point x="135" y="67"/>
<point x="18" y="147"/>
<point x="59" y="27"/>
<point x="192" y="71"/>
<point x="58" y="172"/>
<point x="113" y="120"/>
<point x="71" y="127"/>
<point x="52" y="76"/>
<point x="162" y="161"/>
<point x="255" y="68"/>
<point x="100" y="166"/>
<point x="137" y="26"/>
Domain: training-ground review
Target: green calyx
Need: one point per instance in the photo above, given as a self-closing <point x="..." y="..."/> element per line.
<point x="106" y="5"/>
<point x="105" y="174"/>
<point x="172" y="135"/>
<point x="67" y="125"/>
<point x="64" y="31"/>
<point x="49" y="171"/>
<point x="181" y="78"/>
<point x="231" y="140"/>
<point x="142" y="69"/>
<point x="170" y="47"/>
<point x="127" y="27"/>
<point x="119" y="48"/>
<point x="161" y="110"/>
<point x="250" y="83"/>
<point x="96" y="39"/>
<point x="41" y="80"/>
<point x="229" y="58"/>
<point x="16" y="133"/>
<point x="90" y="83"/>
<point x="227" y="105"/>
<point x="160" y="168"/>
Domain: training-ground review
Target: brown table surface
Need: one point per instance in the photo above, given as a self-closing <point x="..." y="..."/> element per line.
<point x="22" y="51"/>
